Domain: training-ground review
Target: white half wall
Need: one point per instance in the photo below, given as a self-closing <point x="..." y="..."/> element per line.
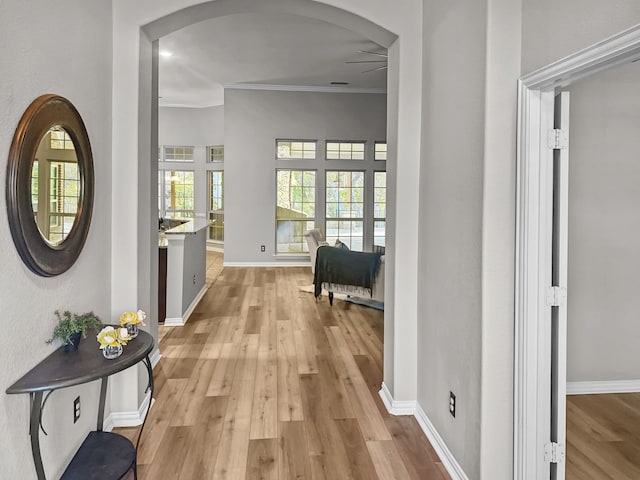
<point x="63" y="49"/>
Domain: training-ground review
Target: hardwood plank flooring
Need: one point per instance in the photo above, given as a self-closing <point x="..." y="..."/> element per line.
<point x="263" y="382"/>
<point x="603" y="437"/>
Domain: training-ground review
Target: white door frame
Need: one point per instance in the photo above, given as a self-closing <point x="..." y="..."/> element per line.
<point x="531" y="412"/>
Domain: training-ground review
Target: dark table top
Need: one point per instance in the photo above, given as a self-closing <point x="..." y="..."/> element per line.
<point x="64" y="369"/>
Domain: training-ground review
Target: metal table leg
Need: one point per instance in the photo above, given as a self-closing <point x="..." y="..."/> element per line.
<point x="34" y="432"/>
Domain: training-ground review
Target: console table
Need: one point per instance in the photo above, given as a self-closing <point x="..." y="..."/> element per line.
<point x="65" y="369"/>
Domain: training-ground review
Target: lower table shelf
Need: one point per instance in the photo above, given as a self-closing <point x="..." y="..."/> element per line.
<point x="102" y="456"/>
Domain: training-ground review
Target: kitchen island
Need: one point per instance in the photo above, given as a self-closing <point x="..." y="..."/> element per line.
<point x="185" y="246"/>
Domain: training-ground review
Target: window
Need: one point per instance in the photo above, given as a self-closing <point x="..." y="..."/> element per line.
<point x="178" y="154"/>
<point x="295" y="209"/>
<point x="64" y="195"/>
<point x="176" y="191"/>
<point x="60" y="140"/>
<point x="345" y="208"/>
<point x="216" y="206"/>
<point x="345" y="150"/>
<point x="295" y="150"/>
<point x="215" y="154"/>
<point x="380" y="152"/>
<point x="379" y="207"/>
<point x="34" y="187"/>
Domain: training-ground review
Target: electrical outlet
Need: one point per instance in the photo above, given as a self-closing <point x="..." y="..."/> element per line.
<point x="263" y="248"/>
<point x="452" y="404"/>
<point x="76" y="409"/>
<point x="194" y="279"/>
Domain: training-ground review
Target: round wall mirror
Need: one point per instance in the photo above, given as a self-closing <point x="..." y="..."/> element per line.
<point x="50" y="185"/>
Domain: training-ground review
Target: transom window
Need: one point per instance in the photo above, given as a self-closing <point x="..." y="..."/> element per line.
<point x="379" y="207"/>
<point x="345" y="150"/>
<point x="215" y="154"/>
<point x="345" y="208"/>
<point x="60" y="140"/>
<point x="295" y="209"/>
<point x="216" y="206"/>
<point x="380" y="151"/>
<point x="176" y="190"/>
<point x="295" y="149"/>
<point x="178" y="154"/>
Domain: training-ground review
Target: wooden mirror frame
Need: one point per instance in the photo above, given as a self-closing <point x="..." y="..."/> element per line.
<point x="39" y="255"/>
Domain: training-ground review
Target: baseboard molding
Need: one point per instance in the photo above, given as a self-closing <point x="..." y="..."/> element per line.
<point x="155" y="357"/>
<point x="395" y="407"/>
<point x="127" y="419"/>
<point x="266" y="264"/>
<point x="446" y="457"/>
<point x="180" y="321"/>
<point x="613" y="386"/>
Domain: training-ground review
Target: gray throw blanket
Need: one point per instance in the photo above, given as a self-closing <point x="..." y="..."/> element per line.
<point x="337" y="266"/>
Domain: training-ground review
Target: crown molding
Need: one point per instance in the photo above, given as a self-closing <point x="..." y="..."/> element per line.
<point x="302" y="88"/>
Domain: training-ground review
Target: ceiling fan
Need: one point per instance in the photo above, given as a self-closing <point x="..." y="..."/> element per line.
<point x="377" y="54"/>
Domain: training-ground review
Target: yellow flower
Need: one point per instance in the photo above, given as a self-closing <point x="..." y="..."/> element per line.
<point x="108" y="337"/>
<point x="133" y="318"/>
<point x="128" y="317"/>
<point x="123" y="336"/>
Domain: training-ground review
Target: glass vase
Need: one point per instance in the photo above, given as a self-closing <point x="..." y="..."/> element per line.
<point x="110" y="352"/>
<point x="132" y="329"/>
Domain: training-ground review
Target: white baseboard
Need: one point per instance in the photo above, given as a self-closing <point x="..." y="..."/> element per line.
<point x="267" y="264"/>
<point x="180" y="321"/>
<point x="613" y="386"/>
<point x="395" y="407"/>
<point x="446" y="457"/>
<point x="155" y="357"/>
<point x="127" y="419"/>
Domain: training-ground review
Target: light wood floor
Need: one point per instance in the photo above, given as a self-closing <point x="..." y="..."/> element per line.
<point x="265" y="383"/>
<point x="603" y="437"/>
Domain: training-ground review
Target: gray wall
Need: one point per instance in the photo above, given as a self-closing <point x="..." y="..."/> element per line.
<point x="253" y="122"/>
<point x="604" y="227"/>
<point x="63" y="49"/>
<point x="449" y="288"/>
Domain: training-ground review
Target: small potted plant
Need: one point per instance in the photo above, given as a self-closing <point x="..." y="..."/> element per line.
<point x="71" y="327"/>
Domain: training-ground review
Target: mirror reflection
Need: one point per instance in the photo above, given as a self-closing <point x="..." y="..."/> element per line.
<point x="55" y="185"/>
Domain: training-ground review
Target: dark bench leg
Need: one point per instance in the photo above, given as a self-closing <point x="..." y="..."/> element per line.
<point x="331" y="298"/>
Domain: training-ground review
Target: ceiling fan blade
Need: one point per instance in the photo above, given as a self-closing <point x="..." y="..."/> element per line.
<point x="368" y="61"/>
<point x="374" y="53"/>
<point x="384" y="67"/>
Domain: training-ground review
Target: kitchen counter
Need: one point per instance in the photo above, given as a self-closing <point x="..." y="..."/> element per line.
<point x="192" y="226"/>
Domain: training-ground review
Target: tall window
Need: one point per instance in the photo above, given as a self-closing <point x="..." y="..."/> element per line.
<point x="345" y="208"/>
<point x="345" y="151"/>
<point x="216" y="206"/>
<point x="295" y="209"/>
<point x="64" y="194"/>
<point x="295" y="150"/>
<point x="379" y="207"/>
<point x="176" y="191"/>
<point x="60" y="140"/>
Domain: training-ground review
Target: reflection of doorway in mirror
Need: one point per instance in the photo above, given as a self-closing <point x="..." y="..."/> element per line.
<point x="55" y="186"/>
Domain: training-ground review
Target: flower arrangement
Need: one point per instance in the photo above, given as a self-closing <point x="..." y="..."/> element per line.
<point x="113" y="337"/>
<point x="72" y="326"/>
<point x="131" y="320"/>
<point x="111" y="341"/>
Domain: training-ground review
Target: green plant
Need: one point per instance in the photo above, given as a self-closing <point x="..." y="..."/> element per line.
<point x="70" y="323"/>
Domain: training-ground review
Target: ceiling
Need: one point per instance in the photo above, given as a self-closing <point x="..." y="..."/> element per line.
<point x="272" y="49"/>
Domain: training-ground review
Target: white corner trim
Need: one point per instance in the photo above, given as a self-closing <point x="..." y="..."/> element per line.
<point x="302" y="88"/>
<point x="446" y="457"/>
<point x="266" y="264"/>
<point x="127" y="419"/>
<point x="180" y="321"/>
<point x="612" y="386"/>
<point x="155" y="357"/>
<point x="395" y="407"/>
